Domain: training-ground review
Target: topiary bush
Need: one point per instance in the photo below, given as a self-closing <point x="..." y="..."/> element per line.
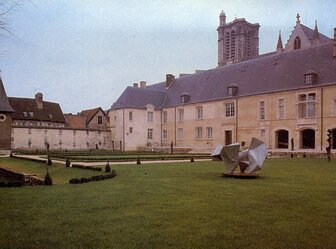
<point x="192" y="160"/>
<point x="67" y="163"/>
<point x="138" y="161"/>
<point x="49" y="162"/>
<point x="108" y="168"/>
<point x="47" y="180"/>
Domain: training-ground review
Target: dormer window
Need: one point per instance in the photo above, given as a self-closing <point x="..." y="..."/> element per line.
<point x="185" y="97"/>
<point x="50" y="116"/>
<point x="297" y="43"/>
<point x="310" y="78"/>
<point x="232" y="90"/>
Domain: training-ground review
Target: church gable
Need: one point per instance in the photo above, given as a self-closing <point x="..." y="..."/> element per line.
<point x="304" y="37"/>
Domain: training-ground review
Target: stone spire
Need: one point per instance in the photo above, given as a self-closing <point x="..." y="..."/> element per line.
<point x="298" y="18"/>
<point x="316" y="35"/>
<point x="222" y="18"/>
<point x="279" y="48"/>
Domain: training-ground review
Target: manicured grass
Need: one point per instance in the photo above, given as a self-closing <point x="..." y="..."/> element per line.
<point x="59" y="173"/>
<point x="181" y="205"/>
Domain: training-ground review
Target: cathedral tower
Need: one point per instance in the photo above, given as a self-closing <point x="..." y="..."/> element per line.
<point x="237" y="40"/>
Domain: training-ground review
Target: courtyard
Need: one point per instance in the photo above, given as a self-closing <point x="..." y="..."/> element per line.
<point x="177" y="205"/>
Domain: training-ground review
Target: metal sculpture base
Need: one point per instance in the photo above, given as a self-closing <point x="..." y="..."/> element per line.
<point x="240" y="175"/>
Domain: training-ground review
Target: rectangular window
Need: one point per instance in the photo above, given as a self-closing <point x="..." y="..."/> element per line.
<point x="164" y="117"/>
<point x="131" y="130"/>
<point x="307" y="105"/>
<point x="262" y="110"/>
<point x="209" y="132"/>
<point x="199" y="133"/>
<point x="262" y="133"/>
<point x="199" y="112"/>
<point x="100" y="120"/>
<point x="150" y="116"/>
<point x="180" y="115"/>
<point x="180" y="133"/>
<point x="229" y="110"/>
<point x="150" y="133"/>
<point x="29" y="131"/>
<point x="164" y="135"/>
<point x="130" y="116"/>
<point x="281" y="108"/>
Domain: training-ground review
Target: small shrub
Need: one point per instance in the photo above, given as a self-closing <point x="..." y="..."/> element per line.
<point x="49" y="162"/>
<point x="47" y="180"/>
<point x="114" y="173"/>
<point x="192" y="160"/>
<point x="107" y="168"/>
<point x="138" y="161"/>
<point x="67" y="163"/>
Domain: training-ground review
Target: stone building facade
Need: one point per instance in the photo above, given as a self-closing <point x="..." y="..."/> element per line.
<point x="39" y="125"/>
<point x="283" y="96"/>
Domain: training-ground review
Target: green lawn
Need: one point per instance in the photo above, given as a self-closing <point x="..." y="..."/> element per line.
<point x="182" y="205"/>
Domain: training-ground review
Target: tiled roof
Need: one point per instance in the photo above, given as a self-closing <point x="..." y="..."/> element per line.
<point x="4" y="104"/>
<point x="26" y="109"/>
<point x="136" y="97"/>
<point x="91" y="113"/>
<point x="310" y="34"/>
<point x="264" y="74"/>
<point x="278" y="72"/>
<point x="75" y="121"/>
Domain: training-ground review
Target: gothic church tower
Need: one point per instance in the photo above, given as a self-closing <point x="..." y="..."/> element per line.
<point x="237" y="40"/>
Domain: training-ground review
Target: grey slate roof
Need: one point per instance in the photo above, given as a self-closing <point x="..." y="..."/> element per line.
<point x="4" y="104"/>
<point x="265" y="74"/>
<point x="135" y="97"/>
<point x="310" y="34"/>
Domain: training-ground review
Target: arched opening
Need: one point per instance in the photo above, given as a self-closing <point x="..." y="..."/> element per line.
<point x="334" y="139"/>
<point x="297" y="43"/>
<point x="308" y="139"/>
<point x="281" y="137"/>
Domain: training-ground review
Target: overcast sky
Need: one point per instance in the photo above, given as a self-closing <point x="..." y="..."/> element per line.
<point x="84" y="53"/>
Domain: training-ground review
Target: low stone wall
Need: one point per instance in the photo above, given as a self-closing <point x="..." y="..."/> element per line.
<point x="26" y="179"/>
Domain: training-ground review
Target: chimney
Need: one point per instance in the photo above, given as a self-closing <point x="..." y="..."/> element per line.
<point x="169" y="80"/>
<point x="135" y="85"/>
<point x="39" y="100"/>
<point x="142" y="84"/>
<point x="334" y="44"/>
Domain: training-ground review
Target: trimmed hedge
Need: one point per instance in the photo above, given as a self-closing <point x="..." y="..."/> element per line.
<point x="11" y="184"/>
<point x="93" y="178"/>
<point x="80" y="166"/>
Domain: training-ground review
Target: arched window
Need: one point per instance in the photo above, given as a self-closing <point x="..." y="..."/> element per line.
<point x="281" y="137"/>
<point x="307" y="139"/>
<point x="297" y="43"/>
<point x="233" y="44"/>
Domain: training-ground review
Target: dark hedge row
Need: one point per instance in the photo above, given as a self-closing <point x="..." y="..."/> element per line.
<point x="93" y="178"/>
<point x="11" y="184"/>
<point x="80" y="166"/>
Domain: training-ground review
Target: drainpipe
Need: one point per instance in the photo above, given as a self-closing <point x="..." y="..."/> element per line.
<point x="321" y="132"/>
<point x="236" y="125"/>
<point x="123" y="145"/>
<point x="175" y="127"/>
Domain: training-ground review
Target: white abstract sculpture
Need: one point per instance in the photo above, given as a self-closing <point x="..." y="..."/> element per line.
<point x="250" y="160"/>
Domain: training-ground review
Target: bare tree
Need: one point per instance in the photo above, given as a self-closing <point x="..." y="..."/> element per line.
<point x="7" y="7"/>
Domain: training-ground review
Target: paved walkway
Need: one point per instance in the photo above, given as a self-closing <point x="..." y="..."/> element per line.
<point x="43" y="157"/>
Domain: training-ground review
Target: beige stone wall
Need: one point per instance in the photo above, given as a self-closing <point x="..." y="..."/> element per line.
<point x="138" y="138"/>
<point x="59" y="139"/>
<point x="243" y="126"/>
<point x="94" y="121"/>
